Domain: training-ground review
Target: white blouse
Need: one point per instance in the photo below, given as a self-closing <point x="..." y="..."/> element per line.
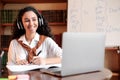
<point x="49" y="49"/>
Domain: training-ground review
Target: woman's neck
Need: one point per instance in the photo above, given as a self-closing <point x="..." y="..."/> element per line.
<point x="29" y="37"/>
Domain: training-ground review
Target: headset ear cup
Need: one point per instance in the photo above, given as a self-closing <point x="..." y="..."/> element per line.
<point x="40" y="21"/>
<point x="19" y="25"/>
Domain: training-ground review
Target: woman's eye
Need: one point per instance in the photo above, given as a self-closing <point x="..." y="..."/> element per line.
<point x="26" y="20"/>
<point x="34" y="19"/>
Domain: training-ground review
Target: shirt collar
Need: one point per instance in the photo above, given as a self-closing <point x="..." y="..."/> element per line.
<point x="23" y="39"/>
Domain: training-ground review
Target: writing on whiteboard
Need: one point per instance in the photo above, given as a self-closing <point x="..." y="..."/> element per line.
<point x="95" y="16"/>
<point x="107" y="17"/>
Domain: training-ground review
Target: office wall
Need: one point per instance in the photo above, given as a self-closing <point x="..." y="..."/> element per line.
<point x="96" y="16"/>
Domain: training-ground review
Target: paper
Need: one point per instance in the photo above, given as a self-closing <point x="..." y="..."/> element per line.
<point x="19" y="68"/>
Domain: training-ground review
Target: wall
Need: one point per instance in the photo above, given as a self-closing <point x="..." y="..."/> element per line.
<point x="98" y="16"/>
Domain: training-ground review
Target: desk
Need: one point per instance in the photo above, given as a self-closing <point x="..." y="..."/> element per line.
<point x="112" y="59"/>
<point x="37" y="75"/>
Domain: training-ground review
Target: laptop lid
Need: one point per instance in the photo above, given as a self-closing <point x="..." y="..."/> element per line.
<point x="82" y="52"/>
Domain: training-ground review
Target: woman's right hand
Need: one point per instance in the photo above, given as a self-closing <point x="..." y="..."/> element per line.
<point x="22" y="62"/>
<point x="38" y="60"/>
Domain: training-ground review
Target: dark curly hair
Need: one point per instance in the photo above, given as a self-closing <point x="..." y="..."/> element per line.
<point x="43" y="29"/>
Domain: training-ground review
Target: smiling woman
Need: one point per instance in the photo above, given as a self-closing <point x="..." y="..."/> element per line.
<point x="32" y="34"/>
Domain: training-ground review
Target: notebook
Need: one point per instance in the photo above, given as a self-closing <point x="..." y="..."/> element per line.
<point x="82" y="53"/>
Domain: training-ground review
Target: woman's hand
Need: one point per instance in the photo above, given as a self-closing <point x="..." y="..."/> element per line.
<point x="38" y="60"/>
<point x="22" y="62"/>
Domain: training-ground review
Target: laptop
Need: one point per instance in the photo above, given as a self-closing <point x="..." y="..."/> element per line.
<point x="82" y="53"/>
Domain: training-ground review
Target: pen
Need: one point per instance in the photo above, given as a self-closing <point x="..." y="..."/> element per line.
<point x="39" y="52"/>
<point x="37" y="55"/>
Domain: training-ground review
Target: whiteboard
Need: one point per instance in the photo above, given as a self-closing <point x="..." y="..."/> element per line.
<point x="95" y="16"/>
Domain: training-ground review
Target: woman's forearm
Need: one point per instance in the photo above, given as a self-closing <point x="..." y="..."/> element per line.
<point x="56" y="60"/>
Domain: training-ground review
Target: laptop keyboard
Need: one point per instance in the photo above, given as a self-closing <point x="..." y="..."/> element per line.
<point x="56" y="70"/>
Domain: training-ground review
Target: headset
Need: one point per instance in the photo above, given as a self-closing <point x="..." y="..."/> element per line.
<point x="19" y="24"/>
<point x="40" y="21"/>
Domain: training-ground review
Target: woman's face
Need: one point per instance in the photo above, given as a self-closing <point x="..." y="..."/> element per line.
<point x="30" y="22"/>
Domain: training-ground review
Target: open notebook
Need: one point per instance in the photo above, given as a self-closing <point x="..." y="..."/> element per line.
<point x="19" y="68"/>
<point x="82" y="53"/>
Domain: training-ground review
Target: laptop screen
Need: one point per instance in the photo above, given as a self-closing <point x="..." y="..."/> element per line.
<point x="82" y="52"/>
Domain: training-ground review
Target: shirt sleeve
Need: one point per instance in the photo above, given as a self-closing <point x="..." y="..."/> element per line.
<point x="11" y="53"/>
<point x="53" y="48"/>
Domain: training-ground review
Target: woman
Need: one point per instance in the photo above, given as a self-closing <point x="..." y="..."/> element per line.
<point x="32" y="40"/>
